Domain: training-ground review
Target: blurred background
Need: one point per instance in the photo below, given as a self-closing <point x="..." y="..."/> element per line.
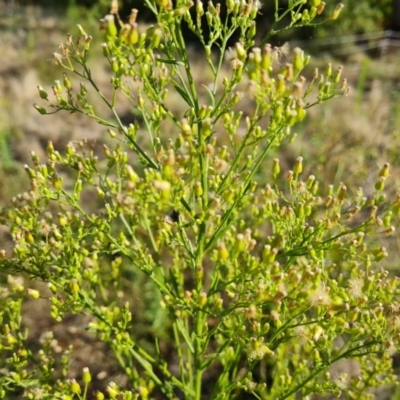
<point x="345" y="140"/>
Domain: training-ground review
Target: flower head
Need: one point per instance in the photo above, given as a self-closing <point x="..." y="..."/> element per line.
<point x="320" y="296"/>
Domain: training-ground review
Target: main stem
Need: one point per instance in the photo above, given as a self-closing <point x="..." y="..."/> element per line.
<point x="199" y="253"/>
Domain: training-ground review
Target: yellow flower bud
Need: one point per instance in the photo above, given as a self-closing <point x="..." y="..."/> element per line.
<point x="336" y="75"/>
<point x="110" y="29"/>
<point x="74" y="386"/>
<point x="198" y="190"/>
<point x="223" y="252"/>
<point x="133" y="35"/>
<point x="164" y="187"/>
<point x="298" y="166"/>
<point x="186" y="129"/>
<point x="240" y="52"/>
<point x="86" y="377"/>
<point x="380" y="184"/>
<point x="35" y="294"/>
<point x="67" y="83"/>
<point x="384" y="172"/>
<point x="99" y="396"/>
<point x="317" y="333"/>
<point x="298" y="60"/>
<point x="164" y="4"/>
<point x="335" y="14"/>
<point x="56" y="181"/>
<point x="74" y="286"/>
<point x="275" y="167"/>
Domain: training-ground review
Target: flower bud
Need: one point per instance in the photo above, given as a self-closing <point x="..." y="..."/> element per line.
<point x="199" y="8"/>
<point x="206" y="127"/>
<point x="43" y="95"/>
<point x="74" y="386"/>
<point x="164" y="187"/>
<point x="114" y="65"/>
<point x="223" y="252"/>
<point x="328" y="71"/>
<point x="298" y="60"/>
<point x="337" y="74"/>
<point x="58" y="88"/>
<point x="203" y="299"/>
<point x="156" y="38"/>
<point x="40" y="109"/>
<point x="380" y="184"/>
<point x="56" y="181"/>
<point x="252" y="30"/>
<point x="86" y="377"/>
<point x="335" y="14"/>
<point x="240" y="52"/>
<point x="266" y="57"/>
<point x="387" y="219"/>
<point x="123" y="33"/>
<point x="186" y="129"/>
<point x="99" y="396"/>
<point x="198" y="189"/>
<point x="81" y="30"/>
<point x="106" y="50"/>
<point x="301" y="111"/>
<point x="280" y="84"/>
<point x="320" y="8"/>
<point x="133" y="34"/>
<point x="164" y="4"/>
<point x="74" y="286"/>
<point x="110" y="28"/>
<point x="66" y="82"/>
<point x="276" y="169"/>
<point x="342" y="192"/>
<point x="35" y="294"/>
<point x="298" y="166"/>
<point x="231" y="4"/>
<point x="384" y="172"/>
<point x="317" y="333"/>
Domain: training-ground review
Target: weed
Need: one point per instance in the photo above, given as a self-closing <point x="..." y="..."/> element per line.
<point x="258" y="289"/>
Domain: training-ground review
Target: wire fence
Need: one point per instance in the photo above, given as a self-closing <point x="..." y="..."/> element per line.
<point x="27" y="18"/>
<point x="348" y="44"/>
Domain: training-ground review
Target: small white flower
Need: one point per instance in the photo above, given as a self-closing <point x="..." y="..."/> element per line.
<point x="355" y="287"/>
<point x="57" y="58"/>
<point x="342" y="381"/>
<point x="320" y="296"/>
<point x="391" y="349"/>
<point x="301" y="333"/>
<point x="232" y="58"/>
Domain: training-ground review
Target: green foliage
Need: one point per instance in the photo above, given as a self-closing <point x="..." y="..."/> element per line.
<point x="360" y="17"/>
<point x="265" y="285"/>
<point x="77" y="10"/>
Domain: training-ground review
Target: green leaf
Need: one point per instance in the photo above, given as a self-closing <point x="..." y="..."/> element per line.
<point x="184" y="95"/>
<point x="211" y="95"/>
<point x="173" y="62"/>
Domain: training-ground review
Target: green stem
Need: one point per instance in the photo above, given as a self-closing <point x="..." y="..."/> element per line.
<point x="237" y="158"/>
<point x="224" y="225"/>
<point x="327" y="365"/>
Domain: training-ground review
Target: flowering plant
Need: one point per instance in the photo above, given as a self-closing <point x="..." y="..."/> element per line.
<point x="260" y="279"/>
